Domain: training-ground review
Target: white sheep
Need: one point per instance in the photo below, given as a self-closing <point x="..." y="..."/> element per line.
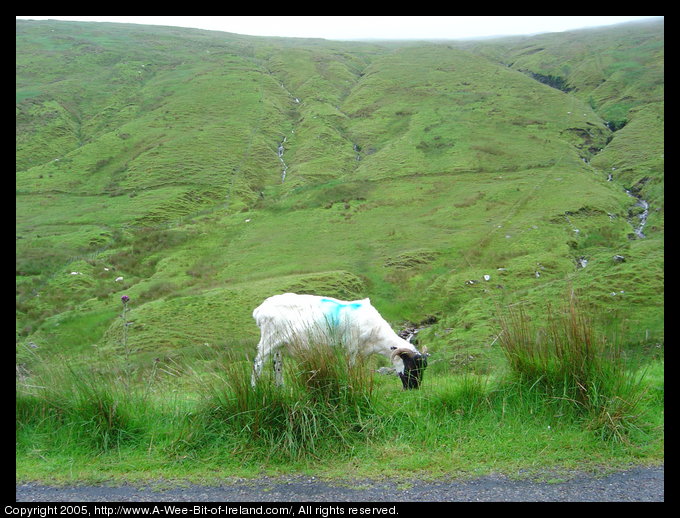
<point x="292" y="319"/>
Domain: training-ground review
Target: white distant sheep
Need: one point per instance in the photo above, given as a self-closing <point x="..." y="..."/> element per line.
<point x="303" y="319"/>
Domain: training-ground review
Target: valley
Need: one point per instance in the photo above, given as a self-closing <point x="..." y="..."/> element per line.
<point x="267" y="159"/>
<point x="200" y="172"/>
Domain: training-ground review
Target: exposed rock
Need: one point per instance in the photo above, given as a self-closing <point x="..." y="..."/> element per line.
<point x="410" y="330"/>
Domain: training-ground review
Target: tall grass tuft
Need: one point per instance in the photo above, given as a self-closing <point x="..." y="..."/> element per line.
<point x="569" y="365"/>
<point x="330" y="375"/>
<point x="325" y="406"/>
<point x="81" y="406"/>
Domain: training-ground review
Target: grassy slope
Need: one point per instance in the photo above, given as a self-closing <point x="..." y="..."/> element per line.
<point x="151" y="154"/>
<point x="618" y="71"/>
<point x="390" y="150"/>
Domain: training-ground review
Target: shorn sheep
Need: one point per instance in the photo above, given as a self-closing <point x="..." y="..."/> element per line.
<point x="300" y="320"/>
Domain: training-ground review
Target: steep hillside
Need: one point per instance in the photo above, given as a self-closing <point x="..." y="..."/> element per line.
<point x="619" y="72"/>
<point x="199" y="172"/>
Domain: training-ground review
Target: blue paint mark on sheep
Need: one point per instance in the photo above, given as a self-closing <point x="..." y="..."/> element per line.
<point x="334" y="309"/>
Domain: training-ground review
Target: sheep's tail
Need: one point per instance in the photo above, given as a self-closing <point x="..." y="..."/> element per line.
<point x="264" y="312"/>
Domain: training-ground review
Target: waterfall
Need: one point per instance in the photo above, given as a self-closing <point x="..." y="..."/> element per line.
<point x="642" y="216"/>
<point x="279" y="152"/>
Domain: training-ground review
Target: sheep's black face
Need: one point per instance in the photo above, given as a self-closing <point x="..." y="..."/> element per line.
<point x="414" y="367"/>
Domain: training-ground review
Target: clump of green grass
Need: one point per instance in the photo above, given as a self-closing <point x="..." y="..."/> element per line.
<point x="70" y="406"/>
<point x="331" y="375"/>
<point x="573" y="368"/>
<point x="326" y="404"/>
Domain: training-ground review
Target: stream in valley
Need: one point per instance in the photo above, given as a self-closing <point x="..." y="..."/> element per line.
<point x="638" y="226"/>
<point x="280" y="151"/>
<point x="641" y="216"/>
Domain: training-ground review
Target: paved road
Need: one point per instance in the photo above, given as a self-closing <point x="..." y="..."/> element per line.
<point x="641" y="484"/>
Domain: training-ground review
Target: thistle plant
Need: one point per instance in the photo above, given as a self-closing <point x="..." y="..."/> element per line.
<point x="125" y="299"/>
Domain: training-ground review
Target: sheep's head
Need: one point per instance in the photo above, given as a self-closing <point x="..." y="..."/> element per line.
<point x="414" y="366"/>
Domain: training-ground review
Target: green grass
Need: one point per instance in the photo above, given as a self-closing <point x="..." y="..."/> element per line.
<point x="327" y="418"/>
<point x="564" y="399"/>
<point x="573" y="366"/>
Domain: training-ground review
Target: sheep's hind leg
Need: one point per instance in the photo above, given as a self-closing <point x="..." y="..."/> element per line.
<point x="259" y="362"/>
<point x="262" y="353"/>
<point x="257" y="370"/>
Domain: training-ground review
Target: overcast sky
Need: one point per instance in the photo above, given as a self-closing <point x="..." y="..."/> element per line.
<point x="369" y="27"/>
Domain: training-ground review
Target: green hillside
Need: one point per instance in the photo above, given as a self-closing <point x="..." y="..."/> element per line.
<point x="210" y="170"/>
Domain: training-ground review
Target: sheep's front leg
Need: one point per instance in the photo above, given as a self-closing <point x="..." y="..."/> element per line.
<point x="278" y="368"/>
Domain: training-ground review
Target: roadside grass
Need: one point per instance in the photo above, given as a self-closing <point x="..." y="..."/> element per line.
<point x="202" y="420"/>
<point x="572" y="365"/>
